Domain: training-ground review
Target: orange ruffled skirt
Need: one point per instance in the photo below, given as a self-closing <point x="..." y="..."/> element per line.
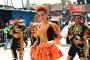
<point x="45" y="51"/>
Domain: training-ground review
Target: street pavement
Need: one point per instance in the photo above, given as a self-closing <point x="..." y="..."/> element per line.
<point x="7" y="55"/>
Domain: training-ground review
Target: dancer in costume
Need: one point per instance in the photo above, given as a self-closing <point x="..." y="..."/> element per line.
<point x="77" y="40"/>
<point x="49" y="37"/>
<point x="18" y="43"/>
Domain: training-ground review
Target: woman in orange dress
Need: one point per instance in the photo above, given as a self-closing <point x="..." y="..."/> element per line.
<point x="49" y="38"/>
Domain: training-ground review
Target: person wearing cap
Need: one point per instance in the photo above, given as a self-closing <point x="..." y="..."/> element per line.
<point x="49" y="36"/>
<point x="77" y="40"/>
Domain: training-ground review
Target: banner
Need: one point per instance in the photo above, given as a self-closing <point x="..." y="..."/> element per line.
<point x="78" y="8"/>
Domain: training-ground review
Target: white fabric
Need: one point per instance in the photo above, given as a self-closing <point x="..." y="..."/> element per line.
<point x="63" y="41"/>
<point x="70" y="24"/>
<point x="64" y="32"/>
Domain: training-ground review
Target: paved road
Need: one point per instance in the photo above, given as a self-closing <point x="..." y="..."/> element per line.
<point x="6" y="54"/>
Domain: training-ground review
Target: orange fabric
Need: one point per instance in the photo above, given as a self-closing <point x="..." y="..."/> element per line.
<point x="55" y="52"/>
<point x="46" y="52"/>
<point x="42" y="7"/>
<point x="21" y="43"/>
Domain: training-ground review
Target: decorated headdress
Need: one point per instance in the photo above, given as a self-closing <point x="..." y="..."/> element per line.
<point x="42" y="7"/>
